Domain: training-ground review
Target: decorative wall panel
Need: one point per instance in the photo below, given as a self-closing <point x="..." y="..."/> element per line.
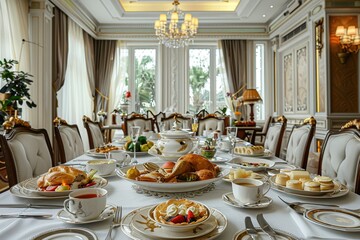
<point x="302" y="80"/>
<point x="288" y="83"/>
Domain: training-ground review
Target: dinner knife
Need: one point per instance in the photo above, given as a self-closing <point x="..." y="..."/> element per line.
<point x="25" y="215"/>
<point x="250" y="229"/>
<point x="264" y="225"/>
<point x="29" y="205"/>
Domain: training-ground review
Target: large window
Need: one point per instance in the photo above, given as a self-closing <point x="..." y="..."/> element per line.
<point x="260" y="79"/>
<point x="205" y="83"/>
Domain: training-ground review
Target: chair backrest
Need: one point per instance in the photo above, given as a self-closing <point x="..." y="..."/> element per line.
<point x="95" y="133"/>
<point x="340" y="155"/>
<point x="68" y="140"/>
<point x="145" y="124"/>
<point x="274" y="136"/>
<point x="27" y="153"/>
<point x="169" y="121"/>
<point x="298" y="146"/>
<point x="266" y="126"/>
<point x="211" y="123"/>
<point x="156" y="117"/>
<point x="202" y="113"/>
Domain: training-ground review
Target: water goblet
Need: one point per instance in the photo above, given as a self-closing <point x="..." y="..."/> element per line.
<point x="232" y="133"/>
<point x="135" y="132"/>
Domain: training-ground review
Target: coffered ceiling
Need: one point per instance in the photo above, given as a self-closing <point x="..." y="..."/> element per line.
<point x="116" y="15"/>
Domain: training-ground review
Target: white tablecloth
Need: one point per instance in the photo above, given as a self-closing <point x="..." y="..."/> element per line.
<point x="121" y="193"/>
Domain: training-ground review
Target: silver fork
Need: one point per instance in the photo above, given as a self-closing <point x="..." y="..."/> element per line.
<point x="116" y="222"/>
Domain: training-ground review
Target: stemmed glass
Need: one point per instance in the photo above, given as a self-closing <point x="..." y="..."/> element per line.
<point x="194" y="126"/>
<point x="232" y="133"/>
<point x="135" y="132"/>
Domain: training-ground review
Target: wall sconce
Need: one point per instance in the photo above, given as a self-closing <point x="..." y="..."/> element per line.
<point x="349" y="41"/>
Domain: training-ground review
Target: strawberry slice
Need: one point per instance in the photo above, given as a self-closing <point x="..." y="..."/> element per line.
<point x="178" y="219"/>
<point x="190" y="216"/>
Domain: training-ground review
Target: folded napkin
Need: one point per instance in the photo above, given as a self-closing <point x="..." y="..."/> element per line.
<point x="312" y="231"/>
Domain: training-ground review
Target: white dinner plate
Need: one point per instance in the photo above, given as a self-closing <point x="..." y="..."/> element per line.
<point x="127" y="226"/>
<point x="67" y="234"/>
<point x="337" y="219"/>
<point x="280" y="235"/>
<point x="68" y="218"/>
<point x="253" y="164"/>
<point x="338" y="191"/>
<point x="31" y="185"/>
<point x="266" y="154"/>
<point x="263" y="203"/>
<point x="170" y="187"/>
<point x="18" y="191"/>
<point x="93" y="153"/>
<point x="142" y="223"/>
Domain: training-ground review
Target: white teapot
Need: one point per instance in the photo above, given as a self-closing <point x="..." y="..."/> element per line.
<point x="175" y="143"/>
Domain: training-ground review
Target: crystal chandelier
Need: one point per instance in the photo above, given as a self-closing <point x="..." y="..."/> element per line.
<point x="168" y="32"/>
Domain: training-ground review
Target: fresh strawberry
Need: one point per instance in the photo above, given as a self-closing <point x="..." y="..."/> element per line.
<point x="178" y="219"/>
<point x="190" y="216"/>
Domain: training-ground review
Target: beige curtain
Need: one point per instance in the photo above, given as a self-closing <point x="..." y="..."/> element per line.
<point x="59" y="55"/>
<point x="104" y="62"/>
<point x="234" y="54"/>
<point x="90" y="60"/>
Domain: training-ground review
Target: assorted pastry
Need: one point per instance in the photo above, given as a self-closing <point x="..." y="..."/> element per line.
<point x="106" y="148"/>
<point x="242" y="173"/>
<point x="180" y="212"/>
<point x="249" y="150"/>
<point x="188" y="168"/>
<point x="64" y="178"/>
<point x="301" y="180"/>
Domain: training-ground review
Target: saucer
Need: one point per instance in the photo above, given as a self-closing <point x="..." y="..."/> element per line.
<point x="263" y="203"/>
<point x="68" y="218"/>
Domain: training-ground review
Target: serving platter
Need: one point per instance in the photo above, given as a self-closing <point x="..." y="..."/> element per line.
<point x="31" y="185"/>
<point x="337" y="219"/>
<point x="170" y="187"/>
<point x="253" y="164"/>
<point x="128" y="224"/>
<point x="66" y="233"/>
<point x="338" y="191"/>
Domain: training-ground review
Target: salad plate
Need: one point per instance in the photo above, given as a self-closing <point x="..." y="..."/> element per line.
<point x="128" y="223"/>
<point x="253" y="164"/>
<point x="68" y="218"/>
<point x="67" y="233"/>
<point x="169" y="187"/>
<point x="338" y="191"/>
<point x="19" y="191"/>
<point x="337" y="219"/>
<point x="31" y="185"/>
<point x="280" y="235"/>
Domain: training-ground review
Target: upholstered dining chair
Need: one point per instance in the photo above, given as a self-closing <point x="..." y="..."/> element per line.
<point x="68" y="140"/>
<point x="274" y="136"/>
<point x="202" y="113"/>
<point x="156" y="117"/>
<point x="95" y="132"/>
<point x="340" y="155"/>
<point x="145" y="124"/>
<point x="263" y="133"/>
<point x="211" y="123"/>
<point x="297" y="151"/>
<point x="169" y="121"/>
<point x="27" y="152"/>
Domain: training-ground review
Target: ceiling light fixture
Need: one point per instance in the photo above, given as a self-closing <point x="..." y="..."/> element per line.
<point x="168" y="32"/>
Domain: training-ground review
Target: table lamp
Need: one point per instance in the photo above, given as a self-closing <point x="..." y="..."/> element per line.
<point x="250" y="97"/>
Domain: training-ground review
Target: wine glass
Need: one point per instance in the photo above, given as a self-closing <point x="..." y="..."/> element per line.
<point x="232" y="133"/>
<point x="135" y="132"/>
<point x="194" y="126"/>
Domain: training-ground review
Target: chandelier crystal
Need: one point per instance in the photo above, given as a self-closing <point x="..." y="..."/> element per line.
<point x="171" y="32"/>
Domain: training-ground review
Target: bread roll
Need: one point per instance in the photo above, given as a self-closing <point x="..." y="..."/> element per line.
<point x="294" y="184"/>
<point x="296" y="175"/>
<point x="312" y="186"/>
<point x="281" y="179"/>
<point x="61" y="175"/>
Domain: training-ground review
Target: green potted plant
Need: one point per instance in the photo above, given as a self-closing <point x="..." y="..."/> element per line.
<point x="16" y="89"/>
<point x="208" y="150"/>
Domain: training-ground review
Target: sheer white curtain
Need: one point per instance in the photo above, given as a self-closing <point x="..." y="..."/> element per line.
<point x="224" y="79"/>
<point x="74" y="98"/>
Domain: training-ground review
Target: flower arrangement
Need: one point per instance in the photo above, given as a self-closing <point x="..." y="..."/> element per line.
<point x="126" y="97"/>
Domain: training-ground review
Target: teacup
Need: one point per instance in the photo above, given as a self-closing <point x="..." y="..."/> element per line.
<point x="86" y="204"/>
<point x="225" y="145"/>
<point x="247" y="190"/>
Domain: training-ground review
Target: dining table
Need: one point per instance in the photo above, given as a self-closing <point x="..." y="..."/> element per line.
<point x="124" y="193"/>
